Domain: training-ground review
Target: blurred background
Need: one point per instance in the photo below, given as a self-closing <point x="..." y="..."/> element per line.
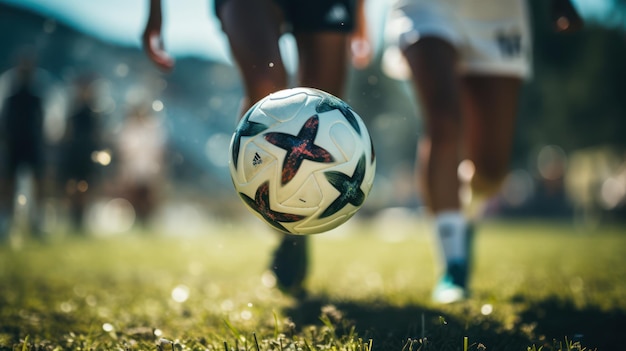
<point x="128" y="146"/>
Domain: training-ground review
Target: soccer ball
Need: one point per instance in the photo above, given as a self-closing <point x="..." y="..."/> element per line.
<point x="302" y="160"/>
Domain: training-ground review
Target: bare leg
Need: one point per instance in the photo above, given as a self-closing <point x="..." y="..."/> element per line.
<point x="323" y="61"/>
<point x="323" y="65"/>
<point x="433" y="63"/>
<point x="490" y="106"/>
<point x="253" y="30"/>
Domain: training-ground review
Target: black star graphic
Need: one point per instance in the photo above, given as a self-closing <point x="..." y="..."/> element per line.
<point x="349" y="188"/>
<point x="330" y="103"/>
<point x="245" y="129"/>
<point x="261" y="204"/>
<point x="299" y="148"/>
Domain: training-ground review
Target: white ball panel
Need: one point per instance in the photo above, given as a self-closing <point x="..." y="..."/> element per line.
<point x="253" y="160"/>
<point x="308" y="195"/>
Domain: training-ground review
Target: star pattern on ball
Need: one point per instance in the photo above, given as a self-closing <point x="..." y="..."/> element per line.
<point x="245" y="129"/>
<point x="349" y="188"/>
<point x="372" y="151"/>
<point x="330" y="103"/>
<point x="261" y="204"/>
<point x="299" y="148"/>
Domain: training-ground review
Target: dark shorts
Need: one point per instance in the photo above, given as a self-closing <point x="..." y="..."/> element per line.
<point x="314" y="15"/>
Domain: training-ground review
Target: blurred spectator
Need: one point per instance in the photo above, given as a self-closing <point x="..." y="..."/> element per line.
<point x="141" y="149"/>
<point x="80" y="142"/>
<point x="22" y="135"/>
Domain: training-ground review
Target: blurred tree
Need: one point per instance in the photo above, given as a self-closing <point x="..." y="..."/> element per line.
<point x="576" y="96"/>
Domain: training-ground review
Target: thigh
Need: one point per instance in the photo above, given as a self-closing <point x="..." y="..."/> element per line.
<point x="323" y="60"/>
<point x="489" y="110"/>
<point x="433" y="63"/>
<point x="253" y="28"/>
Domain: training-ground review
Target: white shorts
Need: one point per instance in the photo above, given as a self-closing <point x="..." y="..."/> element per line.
<point x="491" y="36"/>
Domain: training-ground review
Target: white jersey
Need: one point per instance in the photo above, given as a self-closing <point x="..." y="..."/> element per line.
<point x="491" y="36"/>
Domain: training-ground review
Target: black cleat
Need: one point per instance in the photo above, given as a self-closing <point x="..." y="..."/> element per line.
<point x="290" y="264"/>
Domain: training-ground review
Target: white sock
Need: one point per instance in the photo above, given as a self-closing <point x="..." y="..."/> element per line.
<point x="451" y="229"/>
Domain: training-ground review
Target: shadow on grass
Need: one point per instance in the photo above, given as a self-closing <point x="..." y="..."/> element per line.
<point x="393" y="327"/>
<point x="601" y="330"/>
<point x="548" y="324"/>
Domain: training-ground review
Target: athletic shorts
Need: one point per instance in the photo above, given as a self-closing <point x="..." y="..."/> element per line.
<point x="491" y="36"/>
<point x="314" y="15"/>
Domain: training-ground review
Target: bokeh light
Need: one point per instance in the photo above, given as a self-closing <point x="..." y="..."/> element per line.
<point x="518" y="187"/>
<point x="180" y="293"/>
<point x="112" y="216"/>
<point x="551" y="162"/>
<point x="612" y="193"/>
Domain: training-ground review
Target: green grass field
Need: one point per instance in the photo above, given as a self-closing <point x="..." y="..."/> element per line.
<point x="536" y="285"/>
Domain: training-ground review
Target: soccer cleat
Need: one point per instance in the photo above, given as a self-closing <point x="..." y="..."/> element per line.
<point x="447" y="292"/>
<point x="452" y="286"/>
<point x="290" y="264"/>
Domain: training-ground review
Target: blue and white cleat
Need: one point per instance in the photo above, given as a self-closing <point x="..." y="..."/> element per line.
<point x="452" y="286"/>
<point x="447" y="292"/>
